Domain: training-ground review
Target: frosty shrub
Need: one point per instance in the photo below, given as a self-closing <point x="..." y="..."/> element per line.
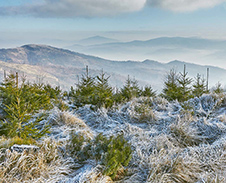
<point x="141" y="110"/>
<point x="113" y="153"/>
<point x="62" y="105"/>
<point x="160" y="103"/>
<point x="78" y="147"/>
<point x="184" y="134"/>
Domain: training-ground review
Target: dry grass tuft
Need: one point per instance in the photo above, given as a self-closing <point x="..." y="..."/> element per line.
<point x="169" y="166"/>
<point x="32" y="166"/>
<point x="70" y="120"/>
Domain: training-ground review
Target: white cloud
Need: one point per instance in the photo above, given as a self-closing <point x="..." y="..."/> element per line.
<point x="184" y="5"/>
<point x="95" y="8"/>
<point x="77" y="8"/>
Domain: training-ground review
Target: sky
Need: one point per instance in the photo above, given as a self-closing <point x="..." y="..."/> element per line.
<point x="31" y="19"/>
<point x="62" y="22"/>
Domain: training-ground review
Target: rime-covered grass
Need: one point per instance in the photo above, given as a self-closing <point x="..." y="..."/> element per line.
<point x="171" y="143"/>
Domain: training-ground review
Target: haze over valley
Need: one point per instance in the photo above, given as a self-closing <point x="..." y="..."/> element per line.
<point x="163" y="49"/>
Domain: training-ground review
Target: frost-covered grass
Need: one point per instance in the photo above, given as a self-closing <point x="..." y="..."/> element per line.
<point x="171" y="143"/>
<point x="41" y="165"/>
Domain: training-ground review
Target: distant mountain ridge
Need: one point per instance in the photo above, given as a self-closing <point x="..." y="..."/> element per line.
<point x="64" y="66"/>
<point x="95" y="40"/>
<point x="199" y="50"/>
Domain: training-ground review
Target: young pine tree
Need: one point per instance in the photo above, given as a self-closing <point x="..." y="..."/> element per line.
<point x="20" y="103"/>
<point x="130" y="89"/>
<point x="148" y="92"/>
<point x="171" y="90"/>
<point x="84" y="92"/>
<point x="199" y="87"/>
<point x="218" y="88"/>
<point x="184" y="85"/>
<point x="103" y="91"/>
<point x="118" y="156"/>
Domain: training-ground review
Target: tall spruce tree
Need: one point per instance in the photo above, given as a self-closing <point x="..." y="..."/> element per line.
<point x="184" y="85"/>
<point x="171" y="90"/>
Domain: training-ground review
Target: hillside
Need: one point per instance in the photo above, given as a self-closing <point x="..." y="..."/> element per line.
<point x="64" y="66"/>
<point x="169" y="144"/>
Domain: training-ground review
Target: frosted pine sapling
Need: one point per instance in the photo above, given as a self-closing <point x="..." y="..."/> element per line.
<point x="130" y="89"/>
<point x="171" y="90"/>
<point x="103" y="91"/>
<point x="184" y="85"/>
<point x="199" y="87"/>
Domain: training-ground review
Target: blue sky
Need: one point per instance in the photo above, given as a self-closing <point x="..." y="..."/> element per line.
<point x="27" y="21"/>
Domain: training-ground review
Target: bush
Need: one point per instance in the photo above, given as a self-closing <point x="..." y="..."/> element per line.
<point x="113" y="153"/>
<point x="117" y="156"/>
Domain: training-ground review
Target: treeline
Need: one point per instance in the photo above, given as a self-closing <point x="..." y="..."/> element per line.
<point x="177" y="86"/>
<point x="23" y="102"/>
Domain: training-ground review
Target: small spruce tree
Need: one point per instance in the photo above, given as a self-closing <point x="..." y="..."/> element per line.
<point x="184" y="85"/>
<point x="103" y="91"/>
<point x="199" y="87"/>
<point x="218" y="88"/>
<point x="20" y="103"/>
<point x="130" y="89"/>
<point x="148" y="92"/>
<point x="85" y="88"/>
<point x="171" y="90"/>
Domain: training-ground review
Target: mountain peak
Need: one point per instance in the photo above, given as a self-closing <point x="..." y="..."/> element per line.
<point x="96" y="40"/>
<point x="34" y="45"/>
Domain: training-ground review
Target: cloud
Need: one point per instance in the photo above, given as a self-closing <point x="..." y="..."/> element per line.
<point x="100" y="8"/>
<point x="183" y="5"/>
<point x="76" y="8"/>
